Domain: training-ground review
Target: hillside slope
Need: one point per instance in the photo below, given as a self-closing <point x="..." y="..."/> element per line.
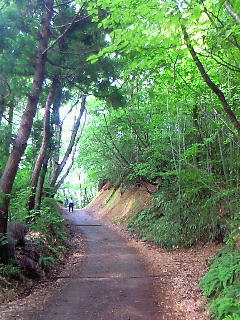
<point x="115" y="205"/>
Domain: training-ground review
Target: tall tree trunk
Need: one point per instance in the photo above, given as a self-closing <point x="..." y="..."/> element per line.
<point x="120" y="154"/>
<point x="7" y="140"/>
<point x="57" y="129"/>
<point x="61" y="181"/>
<point x="215" y="89"/>
<point x="5" y="92"/>
<point x="76" y="125"/>
<point x="20" y="142"/>
<point x="220" y="144"/>
<point x="44" y="145"/>
<point x="232" y="12"/>
<point x="2" y="109"/>
<point x="41" y="180"/>
<point x="10" y="122"/>
<point x="197" y="134"/>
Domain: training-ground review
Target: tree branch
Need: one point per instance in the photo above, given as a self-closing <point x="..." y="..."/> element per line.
<point x="232" y="12"/>
<point x="210" y="83"/>
<point x="114" y="144"/>
<point x="65" y="31"/>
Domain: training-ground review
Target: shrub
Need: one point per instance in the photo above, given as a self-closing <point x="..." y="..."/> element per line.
<point x="49" y="225"/>
<point x="221" y="284"/>
<point x="49" y="222"/>
<point x="172" y="222"/>
<point x="45" y="261"/>
<point x="9" y="270"/>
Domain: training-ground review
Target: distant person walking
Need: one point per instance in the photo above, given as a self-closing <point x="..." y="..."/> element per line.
<point x="70" y="205"/>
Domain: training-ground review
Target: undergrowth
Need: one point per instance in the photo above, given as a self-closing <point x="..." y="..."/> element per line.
<point x="173" y="223"/>
<point x="221" y="285"/>
<point x="199" y="211"/>
<point x="47" y="242"/>
<point x="50" y="226"/>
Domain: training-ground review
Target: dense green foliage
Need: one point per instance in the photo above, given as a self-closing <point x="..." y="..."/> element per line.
<point x="178" y="127"/>
<point x="160" y="81"/>
<point x="222" y="285"/>
<point x="48" y="236"/>
<point x="34" y="80"/>
<point x="50" y="225"/>
<point x="184" y="221"/>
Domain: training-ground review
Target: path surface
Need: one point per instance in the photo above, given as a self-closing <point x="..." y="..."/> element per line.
<point x="111" y="283"/>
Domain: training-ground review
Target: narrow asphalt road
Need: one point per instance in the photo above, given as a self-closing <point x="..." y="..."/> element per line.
<point x="111" y="284"/>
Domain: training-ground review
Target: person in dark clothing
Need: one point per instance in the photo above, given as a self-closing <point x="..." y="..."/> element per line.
<point x="70" y="205"/>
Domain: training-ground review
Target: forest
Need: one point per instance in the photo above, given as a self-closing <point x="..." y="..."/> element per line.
<point x="128" y="91"/>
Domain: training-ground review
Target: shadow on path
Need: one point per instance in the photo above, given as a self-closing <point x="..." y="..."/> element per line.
<point x="111" y="283"/>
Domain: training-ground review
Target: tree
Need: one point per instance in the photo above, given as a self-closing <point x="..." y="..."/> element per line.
<point x="184" y="142"/>
<point x="59" y="166"/>
<point x="20" y="141"/>
<point x="45" y="142"/>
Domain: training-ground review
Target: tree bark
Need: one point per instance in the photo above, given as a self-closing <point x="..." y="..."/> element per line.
<point x="232" y="12"/>
<point x="41" y="180"/>
<point x="61" y="181"/>
<point x="24" y="130"/>
<point x="197" y="134"/>
<point x="44" y="145"/>
<point x="57" y="129"/>
<point x="7" y="137"/>
<point x="210" y="83"/>
<point x="2" y="109"/>
<point x="125" y="161"/>
<point x="76" y="125"/>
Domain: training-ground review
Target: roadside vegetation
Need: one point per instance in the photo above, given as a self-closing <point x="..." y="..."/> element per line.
<point x="35" y="250"/>
<point x="45" y="81"/>
<point x="133" y="92"/>
<point x="175" y="125"/>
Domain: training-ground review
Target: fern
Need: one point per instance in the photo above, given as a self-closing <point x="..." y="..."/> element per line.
<point x="44" y="261"/>
<point x="225" y="306"/>
<point x="232" y="317"/>
<point x="221" y="284"/>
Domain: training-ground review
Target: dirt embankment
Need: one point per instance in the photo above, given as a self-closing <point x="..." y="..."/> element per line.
<point x="114" y="205"/>
<point x="178" y="271"/>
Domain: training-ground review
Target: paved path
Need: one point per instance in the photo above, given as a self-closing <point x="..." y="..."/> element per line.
<point x="111" y="283"/>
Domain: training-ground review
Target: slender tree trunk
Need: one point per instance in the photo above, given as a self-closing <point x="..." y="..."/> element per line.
<point x="198" y="135"/>
<point x="20" y="142"/>
<point x="120" y="154"/>
<point x="7" y="136"/>
<point x="57" y="128"/>
<point x="76" y="125"/>
<point x="222" y="157"/>
<point x="41" y="180"/>
<point x="210" y="83"/>
<point x="2" y="109"/>
<point x="10" y="119"/>
<point x="61" y="181"/>
<point x="44" y="145"/>
<point x="232" y="12"/>
<point x="171" y="139"/>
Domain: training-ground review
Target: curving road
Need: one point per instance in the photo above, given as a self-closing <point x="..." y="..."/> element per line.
<point x="111" y="283"/>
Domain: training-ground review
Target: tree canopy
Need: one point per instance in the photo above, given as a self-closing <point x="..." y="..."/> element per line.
<point x="151" y="91"/>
